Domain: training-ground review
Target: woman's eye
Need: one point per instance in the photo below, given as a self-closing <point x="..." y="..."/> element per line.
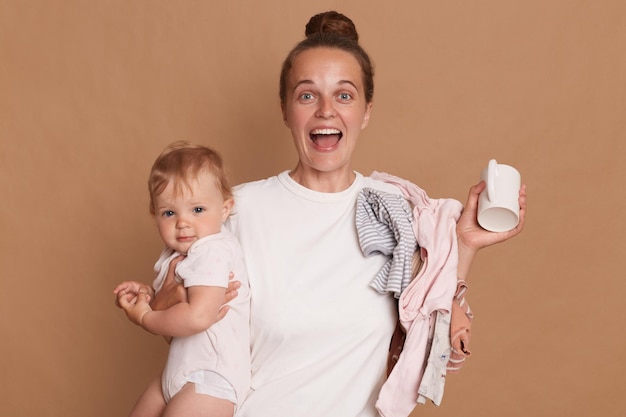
<point x="345" y="96"/>
<point x="198" y="209"/>
<point x="306" y="96"/>
<point x="168" y="213"/>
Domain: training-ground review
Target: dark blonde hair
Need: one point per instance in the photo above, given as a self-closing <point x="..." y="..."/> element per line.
<point x="331" y="30"/>
<point x="179" y="163"/>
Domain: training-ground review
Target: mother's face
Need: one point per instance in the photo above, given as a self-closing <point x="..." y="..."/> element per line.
<point x="325" y="108"/>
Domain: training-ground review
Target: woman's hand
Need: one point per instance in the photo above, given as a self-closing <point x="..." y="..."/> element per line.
<point x="475" y="237"/>
<point x="231" y="293"/>
<point x="172" y="292"/>
<point x="472" y="237"/>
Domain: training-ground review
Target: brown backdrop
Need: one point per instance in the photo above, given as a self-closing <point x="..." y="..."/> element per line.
<point x="91" y="91"/>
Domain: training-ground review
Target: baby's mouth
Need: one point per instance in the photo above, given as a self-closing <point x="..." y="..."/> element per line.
<point x="326" y="138"/>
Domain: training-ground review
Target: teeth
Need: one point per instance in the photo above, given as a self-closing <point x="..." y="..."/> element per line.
<point x="326" y="132"/>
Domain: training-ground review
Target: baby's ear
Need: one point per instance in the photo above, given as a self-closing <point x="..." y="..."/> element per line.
<point x="227" y="208"/>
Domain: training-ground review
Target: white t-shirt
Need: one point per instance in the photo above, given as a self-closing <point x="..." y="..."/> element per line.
<point x="319" y="333"/>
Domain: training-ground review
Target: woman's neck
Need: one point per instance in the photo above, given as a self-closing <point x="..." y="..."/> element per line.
<point x="324" y="182"/>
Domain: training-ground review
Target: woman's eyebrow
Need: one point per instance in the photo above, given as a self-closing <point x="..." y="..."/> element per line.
<point x="348" y="82"/>
<point x="310" y="82"/>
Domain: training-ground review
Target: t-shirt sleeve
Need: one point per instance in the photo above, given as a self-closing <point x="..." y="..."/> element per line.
<point x="208" y="265"/>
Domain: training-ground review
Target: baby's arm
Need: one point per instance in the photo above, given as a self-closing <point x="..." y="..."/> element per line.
<point x="183" y="319"/>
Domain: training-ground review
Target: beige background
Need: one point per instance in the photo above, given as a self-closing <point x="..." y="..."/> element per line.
<point x="91" y="91"/>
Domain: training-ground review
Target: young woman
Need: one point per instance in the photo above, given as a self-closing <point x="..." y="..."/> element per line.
<point x="319" y="333"/>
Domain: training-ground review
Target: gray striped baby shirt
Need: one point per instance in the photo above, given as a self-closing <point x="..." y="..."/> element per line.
<point x="384" y="223"/>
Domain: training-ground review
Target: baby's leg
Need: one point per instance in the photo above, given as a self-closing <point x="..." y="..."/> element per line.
<point x="188" y="403"/>
<point x="151" y="403"/>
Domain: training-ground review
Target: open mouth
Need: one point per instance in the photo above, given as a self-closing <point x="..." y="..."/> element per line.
<point x="326" y="138"/>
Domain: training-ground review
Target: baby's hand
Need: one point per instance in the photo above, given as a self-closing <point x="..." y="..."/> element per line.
<point x="136" y="307"/>
<point x="129" y="290"/>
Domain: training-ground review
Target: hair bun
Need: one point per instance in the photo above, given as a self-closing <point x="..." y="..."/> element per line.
<point x="332" y="22"/>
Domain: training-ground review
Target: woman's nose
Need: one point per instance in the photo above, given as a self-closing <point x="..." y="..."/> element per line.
<point x="325" y="108"/>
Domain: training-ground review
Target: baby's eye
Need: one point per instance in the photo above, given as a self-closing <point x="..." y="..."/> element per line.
<point x="168" y="213"/>
<point x="198" y="209"/>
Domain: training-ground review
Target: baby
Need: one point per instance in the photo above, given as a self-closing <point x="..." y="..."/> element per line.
<point x="208" y="365"/>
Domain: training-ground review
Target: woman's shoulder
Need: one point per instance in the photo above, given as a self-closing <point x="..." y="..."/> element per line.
<point x="256" y="185"/>
<point x="253" y="189"/>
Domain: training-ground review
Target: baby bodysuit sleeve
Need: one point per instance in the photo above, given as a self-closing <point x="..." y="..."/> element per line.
<point x="208" y="264"/>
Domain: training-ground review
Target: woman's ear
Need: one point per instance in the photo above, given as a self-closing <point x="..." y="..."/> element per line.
<point x="284" y="112"/>
<point x="366" y="116"/>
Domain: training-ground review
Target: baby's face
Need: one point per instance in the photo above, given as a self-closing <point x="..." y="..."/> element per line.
<point x="186" y="214"/>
